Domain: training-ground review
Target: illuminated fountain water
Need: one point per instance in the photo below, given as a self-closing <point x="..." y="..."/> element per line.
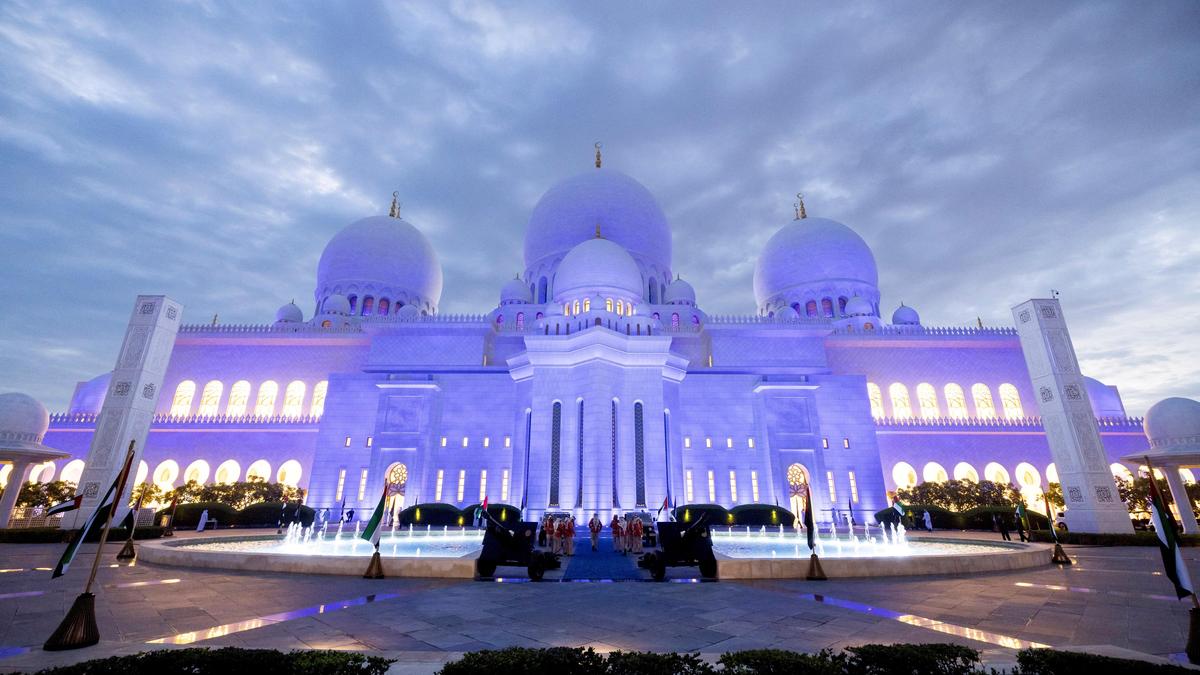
<point x="851" y="542"/>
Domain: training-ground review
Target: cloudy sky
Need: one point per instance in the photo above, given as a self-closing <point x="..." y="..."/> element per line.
<point x="987" y="152"/>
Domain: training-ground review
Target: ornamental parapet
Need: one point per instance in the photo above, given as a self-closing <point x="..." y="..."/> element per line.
<point x="1105" y="424"/>
<point x="265" y="328"/>
<point x="89" y="419"/>
<point x="928" y="331"/>
<point x="754" y="319"/>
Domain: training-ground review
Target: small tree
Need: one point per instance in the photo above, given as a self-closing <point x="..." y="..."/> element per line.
<point x="1055" y="496"/>
<point x="45" y="494"/>
<point x="149" y="493"/>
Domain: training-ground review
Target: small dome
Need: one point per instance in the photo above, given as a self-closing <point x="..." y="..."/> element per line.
<point x="1174" y="423"/>
<point x="408" y="313"/>
<point x="812" y="252"/>
<point x="22" y="419"/>
<point x="679" y="292"/>
<point x="1105" y="399"/>
<point x="336" y="304"/>
<point x="599" y="266"/>
<point x="904" y="316"/>
<point x="381" y="256"/>
<point x="859" y="306"/>
<point x="289" y="313"/>
<point x="787" y="314"/>
<point x="515" y="292"/>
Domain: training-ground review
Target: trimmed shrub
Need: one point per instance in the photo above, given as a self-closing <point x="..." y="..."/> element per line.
<point x="432" y="513"/>
<point x="1090" y="539"/>
<point x="199" y="661"/>
<point x="188" y="515"/>
<point x="718" y="516"/>
<point x="781" y="662"/>
<point x="1052" y="662"/>
<point x="651" y="663"/>
<point x="504" y="513"/>
<point x="121" y="534"/>
<point x="269" y="514"/>
<point x="904" y="659"/>
<point x="523" y="661"/>
<point x="762" y="514"/>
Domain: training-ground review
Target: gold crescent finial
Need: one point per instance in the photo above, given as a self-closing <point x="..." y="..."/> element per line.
<point x="598" y="235"/>
<point x="395" y="211"/>
<point x="597" y="154"/>
<point x="800" y="214"/>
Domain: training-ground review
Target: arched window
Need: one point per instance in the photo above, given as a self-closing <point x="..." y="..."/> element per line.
<point x="797" y="478"/>
<point x="842" y="306"/>
<point x="797" y="308"/>
<point x="228" y="472"/>
<point x="653" y="295"/>
<point x="143" y="472"/>
<point x="499" y="319"/>
<point x="904" y="475"/>
<point x="901" y="404"/>
<point x="964" y="471"/>
<point x="72" y="471"/>
<point x="1027" y="476"/>
<point x="984" y="407"/>
<point x="396" y="306"/>
<point x="264" y="406"/>
<point x="956" y="402"/>
<point x="675" y="321"/>
<point x="289" y="473"/>
<point x="210" y="399"/>
<point x="181" y="405"/>
<point x="293" y="399"/>
<point x="317" y="408"/>
<point x="876" y="398"/>
<point x="620" y="308"/>
<point x="259" y="470"/>
<point x="368" y="304"/>
<point x="1010" y="400"/>
<point x="165" y="474"/>
<point x="1051" y="473"/>
<point x="575" y="307"/>
<point x="608" y="305"/>
<point x="827" y="307"/>
<point x="42" y="473"/>
<point x="541" y="294"/>
<point x="239" y="397"/>
<point x="520" y="320"/>
<point x="996" y="473"/>
<point x="383" y="306"/>
<point x="934" y="473"/>
<point x="353" y="302"/>
<point x="810" y="308"/>
<point x="197" y="472"/>
<point x="927" y="400"/>
<point x="587" y="304"/>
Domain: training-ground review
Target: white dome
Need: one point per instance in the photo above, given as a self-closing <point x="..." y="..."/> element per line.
<point x="859" y="306"/>
<point x="23" y="419"/>
<point x="813" y="252"/>
<point x="904" y="316"/>
<point x="1105" y="399"/>
<point x="1174" y="423"/>
<point x="336" y="304"/>
<point x="679" y="292"/>
<point x="515" y="292"/>
<point x="289" y="313"/>
<point x="597" y="266"/>
<point x="408" y="313"/>
<point x="568" y="213"/>
<point x="787" y="314"/>
<point x="384" y="257"/>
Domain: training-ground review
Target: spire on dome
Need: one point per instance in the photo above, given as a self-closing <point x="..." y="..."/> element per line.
<point x="395" y="211"/>
<point x="597" y="154"/>
<point x="800" y="214"/>
<point x="598" y="235"/>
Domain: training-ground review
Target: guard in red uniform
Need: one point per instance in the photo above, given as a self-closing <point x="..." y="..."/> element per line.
<point x="594" y="527"/>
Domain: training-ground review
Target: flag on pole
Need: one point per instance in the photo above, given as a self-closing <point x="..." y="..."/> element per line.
<point x="62" y="507"/>
<point x="1020" y="512"/>
<point x="850" y="509"/>
<point x="810" y="525"/>
<point x="373" y="530"/>
<point x="899" y="506"/>
<point x="128" y="521"/>
<point x="1050" y="517"/>
<point x="1168" y="540"/>
<point x="96" y="521"/>
<point x="665" y="505"/>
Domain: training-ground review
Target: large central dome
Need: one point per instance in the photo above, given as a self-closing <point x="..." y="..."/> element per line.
<point x="382" y="258"/>
<point x="624" y="210"/>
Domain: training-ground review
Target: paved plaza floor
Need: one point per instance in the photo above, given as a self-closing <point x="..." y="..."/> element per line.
<point x="1112" y="600"/>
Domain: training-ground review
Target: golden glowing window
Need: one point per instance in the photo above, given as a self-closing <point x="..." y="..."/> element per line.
<point x="876" y="398"/>
<point x="754" y="486"/>
<point x="832" y="488"/>
<point x="853" y="487"/>
<point x="443" y="441"/>
<point x="482" y="485"/>
<point x="317" y="407"/>
<point x="239" y="397"/>
<point x="956" y="401"/>
<point x="927" y="399"/>
<point x="608" y="305"/>
<point x="181" y="405"/>
<point x="904" y="475"/>
<point x="901" y="404"/>
<point x="733" y="486"/>
<point x="437" y="488"/>
<point x="587" y="304"/>
<point x="462" y="484"/>
<point x="210" y="399"/>
<point x="341" y="484"/>
<point x="293" y="399"/>
<point x="1010" y="400"/>
<point x="620" y="308"/>
<point x="504" y="485"/>
<point x="575" y="307"/>
<point x="265" y="405"/>
<point x="687" y="485"/>
<point x="984" y="406"/>
<point x="712" y="487"/>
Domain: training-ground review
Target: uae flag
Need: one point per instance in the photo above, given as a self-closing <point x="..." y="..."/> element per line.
<point x="130" y="518"/>
<point x="63" y="507"/>
<point x="1168" y="541"/>
<point x="96" y="521"/>
<point x="899" y="506"/>
<point x="810" y="525"/>
<point x="374" y="527"/>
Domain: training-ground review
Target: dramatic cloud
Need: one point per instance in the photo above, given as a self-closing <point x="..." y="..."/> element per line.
<point x="988" y="153"/>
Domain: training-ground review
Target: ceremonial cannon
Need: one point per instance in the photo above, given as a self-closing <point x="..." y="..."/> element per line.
<point x="512" y="547"/>
<point x="682" y="547"/>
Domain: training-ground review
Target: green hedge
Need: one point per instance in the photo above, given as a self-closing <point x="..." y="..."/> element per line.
<point x="226" y="660"/>
<point x="978" y="518"/>
<point x="188" y="515"/>
<point x="717" y="515"/>
<point x="505" y="513"/>
<point x="762" y="514"/>
<point x="268" y="514"/>
<point x="432" y="513"/>
<point x="53" y="535"/>
<point x="1090" y="539"/>
<point x="1051" y="662"/>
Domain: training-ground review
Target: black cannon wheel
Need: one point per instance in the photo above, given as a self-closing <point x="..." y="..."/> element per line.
<point x="536" y="571"/>
<point x="657" y="566"/>
<point x="708" y="568"/>
<point x="485" y="568"/>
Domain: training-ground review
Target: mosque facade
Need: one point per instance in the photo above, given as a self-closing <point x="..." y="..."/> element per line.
<point x="597" y="383"/>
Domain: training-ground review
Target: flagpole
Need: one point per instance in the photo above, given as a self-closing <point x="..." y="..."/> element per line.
<point x="78" y="628"/>
<point x="128" y="552"/>
<point x="1193" y="641"/>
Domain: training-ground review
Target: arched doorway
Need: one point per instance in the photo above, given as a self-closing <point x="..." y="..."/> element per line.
<point x="397" y="478"/>
<point x="797" y="478"/>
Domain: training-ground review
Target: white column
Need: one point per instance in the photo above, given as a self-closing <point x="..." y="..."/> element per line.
<point x="1182" y="503"/>
<point x="16" y="478"/>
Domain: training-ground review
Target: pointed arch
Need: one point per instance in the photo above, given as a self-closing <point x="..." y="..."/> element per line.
<point x="901" y="403"/>
<point x="984" y="406"/>
<point x="876" y="398"/>
<point x="264" y="406"/>
<point x="181" y="404"/>
<point x="317" y="407"/>
<point x="210" y="399"/>
<point x="1010" y="401"/>
<point x="293" y="399"/>
<point x="956" y="401"/>
<point x="927" y="401"/>
<point x="239" y="398"/>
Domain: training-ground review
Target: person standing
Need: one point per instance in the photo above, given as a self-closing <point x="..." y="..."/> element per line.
<point x="1021" y="530"/>
<point x="618" y="535"/>
<point x="570" y="532"/>
<point x="203" y="522"/>
<point x="594" y="527"/>
<point x="636" y="537"/>
<point x="1002" y="522"/>
<point x="928" y="522"/>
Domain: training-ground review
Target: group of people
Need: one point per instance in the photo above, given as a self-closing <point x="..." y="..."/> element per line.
<point x="558" y="534"/>
<point x="627" y="534"/>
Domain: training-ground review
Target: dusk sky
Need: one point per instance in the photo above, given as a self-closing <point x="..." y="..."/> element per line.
<point x="988" y="152"/>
